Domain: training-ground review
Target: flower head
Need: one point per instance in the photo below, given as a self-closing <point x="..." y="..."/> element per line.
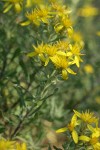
<point x="75" y="54"/>
<point x="38" y="15"/>
<point x="87" y="117"/>
<point x="12" y="145"/>
<point x="6" y="145"/>
<point x="71" y="127"/>
<point x="62" y="63"/>
<point x="60" y="10"/>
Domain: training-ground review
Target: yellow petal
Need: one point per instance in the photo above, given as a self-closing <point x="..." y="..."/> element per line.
<point x="90" y="128"/>
<point x="84" y="138"/>
<point x="28" y="3"/>
<point x="75" y="136"/>
<point x="26" y="23"/>
<point x="77" y="113"/>
<point x="61" y="53"/>
<point x="61" y="130"/>
<point x="69" y="54"/>
<point x="17" y="7"/>
<point x="42" y="57"/>
<point x="64" y="74"/>
<point x="46" y="62"/>
<point x="71" y="71"/>
<point x="58" y="28"/>
<point x="70" y="31"/>
<point x="77" y="61"/>
<point x="74" y="119"/>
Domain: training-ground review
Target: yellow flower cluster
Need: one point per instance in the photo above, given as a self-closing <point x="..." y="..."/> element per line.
<point x="38" y="15"/>
<point x="62" y="54"/>
<point x="84" y="129"/>
<point x="88" y="11"/>
<point x="11" y="145"/>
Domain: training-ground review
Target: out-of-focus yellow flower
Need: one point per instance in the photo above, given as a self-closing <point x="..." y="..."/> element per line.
<point x="61" y="10"/>
<point x="77" y="37"/>
<point x="37" y="16"/>
<point x="71" y="127"/>
<point x="87" y="117"/>
<point x="97" y="99"/>
<point x="10" y="3"/>
<point x="98" y="33"/>
<point x="88" y="68"/>
<point x="88" y="11"/>
<point x="62" y="63"/>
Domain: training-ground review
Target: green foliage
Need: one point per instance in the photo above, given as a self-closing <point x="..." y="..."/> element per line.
<point x="35" y="100"/>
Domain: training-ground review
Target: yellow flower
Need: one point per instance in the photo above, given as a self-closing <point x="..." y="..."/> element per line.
<point x="77" y="37"/>
<point x="11" y="145"/>
<point x="74" y="54"/>
<point x="6" y="145"/>
<point x="62" y="46"/>
<point x="95" y="142"/>
<point x="88" y="11"/>
<point x="95" y="131"/>
<point x="38" y="15"/>
<point x="71" y="127"/>
<point x="94" y="139"/>
<point x="88" y="69"/>
<point x="66" y="24"/>
<point x="50" y="50"/>
<point x="39" y="50"/>
<point x="62" y="62"/>
<point x="98" y="33"/>
<point x="60" y="9"/>
<point x="10" y="3"/>
<point x="46" y="51"/>
<point x="87" y="117"/>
